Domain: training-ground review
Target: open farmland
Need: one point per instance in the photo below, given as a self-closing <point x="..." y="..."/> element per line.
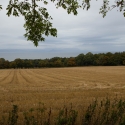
<point x="56" y="87"/>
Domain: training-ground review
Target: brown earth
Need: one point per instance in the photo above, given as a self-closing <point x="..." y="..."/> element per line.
<point x="56" y="87"/>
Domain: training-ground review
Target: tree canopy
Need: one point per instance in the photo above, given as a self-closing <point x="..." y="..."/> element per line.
<point x="88" y="59"/>
<point x="38" y="21"/>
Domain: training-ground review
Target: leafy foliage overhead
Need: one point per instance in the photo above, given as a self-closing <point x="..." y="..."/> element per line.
<point x="38" y="21"/>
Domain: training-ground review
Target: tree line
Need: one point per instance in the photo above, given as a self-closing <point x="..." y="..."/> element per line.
<point x="89" y="59"/>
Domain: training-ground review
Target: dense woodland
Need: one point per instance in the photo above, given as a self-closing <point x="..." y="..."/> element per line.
<point x="89" y="59"/>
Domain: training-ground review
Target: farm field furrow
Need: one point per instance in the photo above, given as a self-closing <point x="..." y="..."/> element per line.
<point x="8" y="78"/>
<point x="4" y="75"/>
<point x="83" y="78"/>
<point x="42" y="77"/>
<point x="56" y="87"/>
<point x="54" y="76"/>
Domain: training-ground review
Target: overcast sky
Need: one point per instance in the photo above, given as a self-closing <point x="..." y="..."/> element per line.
<point x="86" y="32"/>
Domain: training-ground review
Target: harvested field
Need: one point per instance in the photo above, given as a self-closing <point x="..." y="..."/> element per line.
<point x="56" y="87"/>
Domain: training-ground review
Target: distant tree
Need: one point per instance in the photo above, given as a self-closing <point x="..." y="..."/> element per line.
<point x="19" y="63"/>
<point x="109" y="58"/>
<point x="105" y="61"/>
<point x="58" y="63"/>
<point x="122" y="57"/>
<point x="101" y="59"/>
<point x="13" y="64"/>
<point x="96" y="59"/>
<point x="55" y="62"/>
<point x="37" y="19"/>
<point x="6" y="64"/>
<point x="123" y="62"/>
<point x="71" y="61"/>
<point x="2" y="61"/>
<point x="116" y="59"/>
<point x="89" y="59"/>
<point x="45" y="63"/>
<point x="35" y="63"/>
<point x="27" y="63"/>
<point x="80" y="60"/>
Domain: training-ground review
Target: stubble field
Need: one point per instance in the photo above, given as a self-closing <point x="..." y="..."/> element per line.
<point x="56" y="87"/>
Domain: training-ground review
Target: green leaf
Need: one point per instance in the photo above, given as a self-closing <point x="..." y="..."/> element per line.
<point x="15" y="13"/>
<point x="124" y="14"/>
<point x="0" y="7"/>
<point x="45" y="2"/>
<point x="9" y="10"/>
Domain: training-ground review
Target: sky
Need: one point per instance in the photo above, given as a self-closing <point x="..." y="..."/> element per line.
<point x="86" y="32"/>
